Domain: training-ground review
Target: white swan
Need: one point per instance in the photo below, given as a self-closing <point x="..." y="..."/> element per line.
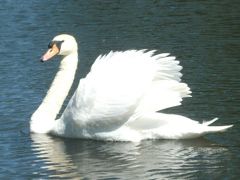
<point x="118" y="99"/>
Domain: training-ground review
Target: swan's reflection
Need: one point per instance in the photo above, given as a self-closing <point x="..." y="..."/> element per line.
<point x="67" y="158"/>
<point x="51" y="157"/>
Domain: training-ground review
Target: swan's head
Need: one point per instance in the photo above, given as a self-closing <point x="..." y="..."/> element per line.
<point x="63" y="44"/>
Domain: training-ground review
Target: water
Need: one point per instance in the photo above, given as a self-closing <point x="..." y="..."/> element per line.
<point x="203" y="35"/>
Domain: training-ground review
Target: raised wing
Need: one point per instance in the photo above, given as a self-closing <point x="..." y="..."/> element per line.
<point x="122" y="84"/>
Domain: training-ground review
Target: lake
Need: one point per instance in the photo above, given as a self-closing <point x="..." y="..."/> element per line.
<point x="203" y="35"/>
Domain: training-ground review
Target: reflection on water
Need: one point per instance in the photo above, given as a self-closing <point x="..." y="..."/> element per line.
<point x="51" y="154"/>
<point x="149" y="159"/>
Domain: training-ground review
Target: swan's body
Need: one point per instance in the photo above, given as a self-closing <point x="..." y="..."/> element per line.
<point x="118" y="99"/>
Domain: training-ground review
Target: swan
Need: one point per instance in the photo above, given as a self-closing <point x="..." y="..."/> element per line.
<point x="120" y="99"/>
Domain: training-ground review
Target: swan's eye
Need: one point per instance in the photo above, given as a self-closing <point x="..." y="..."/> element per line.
<point x="50" y="45"/>
<point x="58" y="44"/>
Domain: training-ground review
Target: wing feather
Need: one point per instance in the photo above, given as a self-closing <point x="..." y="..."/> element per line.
<point x="121" y="84"/>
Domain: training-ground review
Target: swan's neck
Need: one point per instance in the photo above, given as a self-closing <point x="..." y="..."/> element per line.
<point x="43" y="119"/>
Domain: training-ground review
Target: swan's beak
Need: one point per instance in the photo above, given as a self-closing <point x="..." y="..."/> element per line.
<point x="51" y="52"/>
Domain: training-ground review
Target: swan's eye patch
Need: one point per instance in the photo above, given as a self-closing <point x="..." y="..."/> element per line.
<point x="50" y="45"/>
<point x="58" y="44"/>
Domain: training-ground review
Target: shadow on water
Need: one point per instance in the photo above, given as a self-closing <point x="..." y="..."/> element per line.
<point x="65" y="158"/>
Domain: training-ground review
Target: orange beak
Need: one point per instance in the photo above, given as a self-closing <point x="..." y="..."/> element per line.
<point x="51" y="52"/>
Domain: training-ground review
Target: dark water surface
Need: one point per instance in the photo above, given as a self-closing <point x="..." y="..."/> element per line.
<point x="204" y="35"/>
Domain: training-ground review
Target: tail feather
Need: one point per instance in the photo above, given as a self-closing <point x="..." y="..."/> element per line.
<point x="212" y="129"/>
<point x="215" y="128"/>
<point x="207" y="123"/>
